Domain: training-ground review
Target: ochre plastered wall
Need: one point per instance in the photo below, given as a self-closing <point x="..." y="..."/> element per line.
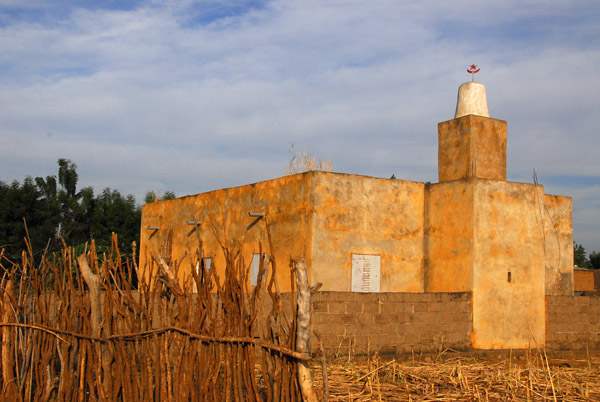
<point x="507" y="243"/>
<point x="366" y="215"/>
<point x="448" y="242"/>
<point x="477" y="232"/>
<point x="558" y="236"/>
<point x="472" y="146"/>
<point x="330" y="215"/>
<point x="284" y="201"/>
<point x="508" y="266"/>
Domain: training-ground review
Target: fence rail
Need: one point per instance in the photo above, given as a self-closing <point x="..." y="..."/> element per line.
<point x="75" y="329"/>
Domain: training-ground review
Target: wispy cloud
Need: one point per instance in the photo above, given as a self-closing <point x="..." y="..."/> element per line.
<point x="197" y="95"/>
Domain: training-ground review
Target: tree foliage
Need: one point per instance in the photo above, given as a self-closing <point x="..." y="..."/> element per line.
<point x="579" y="256"/>
<point x="595" y="260"/>
<point x="153" y="196"/>
<point x="54" y="211"/>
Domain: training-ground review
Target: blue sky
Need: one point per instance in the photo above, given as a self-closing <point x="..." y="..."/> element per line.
<point x="192" y="96"/>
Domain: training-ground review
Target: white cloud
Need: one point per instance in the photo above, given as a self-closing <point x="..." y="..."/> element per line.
<point x="192" y="97"/>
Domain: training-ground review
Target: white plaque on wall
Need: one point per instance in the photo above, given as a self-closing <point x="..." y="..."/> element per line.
<point x="207" y="264"/>
<point x="365" y="272"/>
<point x="255" y="267"/>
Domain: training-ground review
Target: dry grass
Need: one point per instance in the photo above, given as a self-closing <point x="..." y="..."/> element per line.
<point x="463" y="377"/>
<point x="304" y="161"/>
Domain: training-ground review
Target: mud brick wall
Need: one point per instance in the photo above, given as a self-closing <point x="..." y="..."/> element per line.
<point x="583" y="281"/>
<point x="387" y="323"/>
<point x="572" y="322"/>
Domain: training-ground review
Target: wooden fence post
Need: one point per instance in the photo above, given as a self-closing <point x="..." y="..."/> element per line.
<point x="303" y="330"/>
<point x="8" y="342"/>
<point x="94" y="284"/>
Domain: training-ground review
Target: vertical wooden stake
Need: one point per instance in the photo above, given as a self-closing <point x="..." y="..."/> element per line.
<point x="303" y="330"/>
<point x="94" y="284"/>
<point x="8" y="352"/>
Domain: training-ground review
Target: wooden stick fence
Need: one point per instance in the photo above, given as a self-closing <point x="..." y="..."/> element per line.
<point x="75" y="329"/>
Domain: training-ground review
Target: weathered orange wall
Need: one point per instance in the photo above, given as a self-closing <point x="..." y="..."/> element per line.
<point x="558" y="224"/>
<point x="472" y="146"/>
<point x="583" y="280"/>
<point x="333" y="215"/>
<point x="468" y="233"/>
<point x="448" y="241"/>
<point x="508" y="240"/>
<point x="477" y="231"/>
<point x="365" y="215"/>
<point x="285" y="202"/>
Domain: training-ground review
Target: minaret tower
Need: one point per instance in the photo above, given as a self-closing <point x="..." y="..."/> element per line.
<point x="485" y="235"/>
<point x="472" y="144"/>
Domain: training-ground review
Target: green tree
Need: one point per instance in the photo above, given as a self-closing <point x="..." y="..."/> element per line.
<point x="113" y="212"/>
<point x="68" y="198"/>
<point x="67" y="176"/>
<point x="20" y="203"/>
<point x="153" y="196"/>
<point x="595" y="259"/>
<point x="55" y="211"/>
<point x="169" y="195"/>
<point x="579" y="256"/>
<point x="48" y="193"/>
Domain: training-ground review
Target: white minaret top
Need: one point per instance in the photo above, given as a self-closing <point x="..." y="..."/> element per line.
<point x="471" y="100"/>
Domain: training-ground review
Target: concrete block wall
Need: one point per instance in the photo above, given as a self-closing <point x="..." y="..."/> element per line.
<point x="388" y="323"/>
<point x="572" y="322"/>
<point x="583" y="280"/>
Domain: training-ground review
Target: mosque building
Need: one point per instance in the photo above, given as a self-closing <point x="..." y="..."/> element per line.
<point x="507" y="243"/>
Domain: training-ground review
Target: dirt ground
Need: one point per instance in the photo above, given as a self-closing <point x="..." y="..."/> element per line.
<point x="462" y="376"/>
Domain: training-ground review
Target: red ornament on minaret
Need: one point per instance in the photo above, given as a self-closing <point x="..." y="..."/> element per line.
<point x="472" y="71"/>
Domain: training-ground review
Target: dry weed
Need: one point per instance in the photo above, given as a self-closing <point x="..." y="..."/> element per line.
<point x="304" y="161"/>
<point x="459" y="377"/>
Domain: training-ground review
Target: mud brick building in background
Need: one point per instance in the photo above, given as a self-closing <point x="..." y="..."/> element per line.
<point x="470" y="261"/>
